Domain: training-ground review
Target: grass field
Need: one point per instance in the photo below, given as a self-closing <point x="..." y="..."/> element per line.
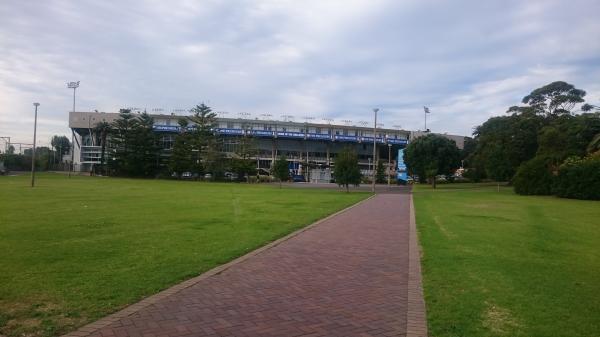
<point x="74" y="250"/>
<point x="499" y="264"/>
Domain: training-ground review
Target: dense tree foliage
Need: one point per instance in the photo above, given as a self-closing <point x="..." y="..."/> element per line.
<point x="534" y="177"/>
<point x="61" y="145"/>
<point x="280" y="169"/>
<point x="346" y="168"/>
<point x="579" y="178"/>
<point x="556" y="98"/>
<point x="528" y="147"/>
<point x="503" y="143"/>
<point x="380" y="173"/>
<point x="430" y="156"/>
<point x="102" y="130"/>
<point x="181" y="159"/>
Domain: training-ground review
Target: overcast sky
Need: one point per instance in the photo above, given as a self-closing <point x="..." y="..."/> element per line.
<point x="466" y="60"/>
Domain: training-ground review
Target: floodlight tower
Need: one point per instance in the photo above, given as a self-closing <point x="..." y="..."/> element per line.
<point x="33" y="151"/>
<point x="375" y="110"/>
<point x="74" y="86"/>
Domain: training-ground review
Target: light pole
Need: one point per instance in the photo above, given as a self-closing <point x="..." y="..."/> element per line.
<point x="374" y="147"/>
<point x="74" y="86"/>
<point x="33" y="152"/>
<point x="426" y="109"/>
<point x="389" y="164"/>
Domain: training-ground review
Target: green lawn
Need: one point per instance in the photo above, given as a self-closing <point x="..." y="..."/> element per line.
<point x="74" y="250"/>
<point x="499" y="264"/>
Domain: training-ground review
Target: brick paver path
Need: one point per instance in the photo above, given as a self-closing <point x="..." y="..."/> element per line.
<point x="346" y="276"/>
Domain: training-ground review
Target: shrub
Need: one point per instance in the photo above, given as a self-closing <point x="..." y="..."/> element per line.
<point x="534" y="177"/>
<point x="579" y="178"/>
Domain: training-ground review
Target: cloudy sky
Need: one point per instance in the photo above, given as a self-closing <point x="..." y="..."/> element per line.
<point x="467" y="60"/>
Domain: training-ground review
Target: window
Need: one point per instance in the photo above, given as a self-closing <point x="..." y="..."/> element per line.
<point x="318" y="130"/>
<point x="345" y="132"/>
<point x="230" y="125"/>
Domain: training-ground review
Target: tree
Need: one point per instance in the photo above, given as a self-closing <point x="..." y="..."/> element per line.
<point x="123" y="138"/>
<point x="242" y="163"/>
<point x="205" y="140"/>
<point x="432" y="155"/>
<point x="379" y="173"/>
<point x="594" y="145"/>
<point x="280" y="169"/>
<point x="11" y="149"/>
<point x="181" y="156"/>
<point x="553" y="99"/>
<point x="503" y="143"/>
<point x="145" y="147"/>
<point x="102" y="130"/>
<point x="346" y="168"/>
<point x="61" y="145"/>
<point x="566" y="136"/>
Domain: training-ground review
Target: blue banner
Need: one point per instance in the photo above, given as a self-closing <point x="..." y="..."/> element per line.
<point x="318" y="136"/>
<point x="346" y="138"/>
<point x="401" y="173"/>
<point x="261" y="133"/>
<point x="230" y="131"/>
<point x="285" y="134"/>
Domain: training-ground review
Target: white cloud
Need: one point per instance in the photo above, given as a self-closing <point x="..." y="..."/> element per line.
<point x="466" y="60"/>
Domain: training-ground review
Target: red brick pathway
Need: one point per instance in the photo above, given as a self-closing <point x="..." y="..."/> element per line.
<point x="347" y="276"/>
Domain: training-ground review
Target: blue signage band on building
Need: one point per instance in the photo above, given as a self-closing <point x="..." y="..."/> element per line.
<point x="289" y="135"/>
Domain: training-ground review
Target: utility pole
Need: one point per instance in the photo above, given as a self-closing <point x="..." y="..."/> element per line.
<point x="374" y="147"/>
<point x="74" y="86"/>
<point x="33" y="151"/>
<point x="389" y="164"/>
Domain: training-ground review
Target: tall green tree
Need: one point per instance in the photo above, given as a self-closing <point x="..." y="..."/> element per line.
<point x="380" y="173"/>
<point x="432" y="155"/>
<point x="242" y="163"/>
<point x="568" y="135"/>
<point x="181" y="159"/>
<point x="206" y="142"/>
<point x="102" y="130"/>
<point x="503" y="143"/>
<point x="280" y="169"/>
<point x="346" y="168"/>
<point x="145" y="147"/>
<point x="556" y="98"/>
<point x="61" y="145"/>
<point x="123" y="143"/>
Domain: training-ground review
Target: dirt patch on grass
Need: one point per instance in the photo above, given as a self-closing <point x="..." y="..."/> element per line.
<point x="500" y="320"/>
<point x="39" y="318"/>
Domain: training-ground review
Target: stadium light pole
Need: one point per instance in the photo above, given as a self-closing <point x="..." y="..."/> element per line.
<point x="426" y="110"/>
<point x="375" y="110"/>
<point x="389" y="164"/>
<point x="33" y="151"/>
<point x="74" y="86"/>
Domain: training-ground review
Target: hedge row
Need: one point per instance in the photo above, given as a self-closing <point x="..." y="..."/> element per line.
<point x="576" y="178"/>
<point x="579" y="179"/>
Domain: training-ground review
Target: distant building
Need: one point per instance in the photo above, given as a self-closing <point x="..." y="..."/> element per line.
<point x="315" y="144"/>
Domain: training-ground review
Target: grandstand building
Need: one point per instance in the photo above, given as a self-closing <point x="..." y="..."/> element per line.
<point x="315" y="144"/>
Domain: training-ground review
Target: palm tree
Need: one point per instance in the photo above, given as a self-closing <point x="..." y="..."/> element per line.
<point x="102" y="130"/>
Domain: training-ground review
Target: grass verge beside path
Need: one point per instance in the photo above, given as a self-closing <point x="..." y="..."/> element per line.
<point x="74" y="250"/>
<point x="499" y="264"/>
